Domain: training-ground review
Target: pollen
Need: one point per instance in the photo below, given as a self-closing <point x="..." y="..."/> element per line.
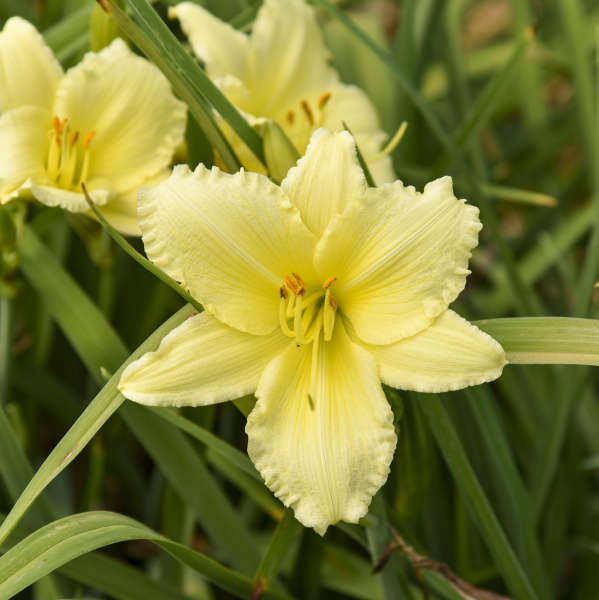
<point x="308" y="111"/>
<point x="328" y="282"/>
<point x="322" y="101"/>
<point x="88" y="139"/>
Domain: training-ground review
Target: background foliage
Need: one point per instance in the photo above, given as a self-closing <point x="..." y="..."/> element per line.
<point x="499" y="482"/>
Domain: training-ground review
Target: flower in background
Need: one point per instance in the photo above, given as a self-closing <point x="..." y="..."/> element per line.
<point x="314" y="293"/>
<point x="281" y="72"/>
<point x="111" y="122"/>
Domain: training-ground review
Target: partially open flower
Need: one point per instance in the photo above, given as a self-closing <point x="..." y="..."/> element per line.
<point x="314" y="293"/>
<point x="111" y="122"/>
<point x="281" y="72"/>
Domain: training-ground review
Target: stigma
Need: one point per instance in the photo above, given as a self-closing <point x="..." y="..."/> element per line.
<point x="307" y="316"/>
<point x="67" y="163"/>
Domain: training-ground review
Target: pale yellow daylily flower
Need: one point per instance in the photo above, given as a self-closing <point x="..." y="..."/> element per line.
<point x="111" y="122"/>
<point x="314" y="293"/>
<point x="281" y="72"/>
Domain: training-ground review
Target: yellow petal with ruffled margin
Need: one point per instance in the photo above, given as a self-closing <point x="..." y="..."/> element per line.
<point x="326" y="179"/>
<point x="449" y="355"/>
<point x="400" y="258"/>
<point x="351" y="105"/>
<point x="128" y="105"/>
<point x="29" y="71"/>
<point x="201" y="362"/>
<point x="328" y="456"/>
<point x="223" y="49"/>
<point x="23" y="146"/>
<point x="288" y="60"/>
<point x="230" y="239"/>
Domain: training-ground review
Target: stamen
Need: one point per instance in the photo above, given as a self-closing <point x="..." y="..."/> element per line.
<point x="328" y="283"/>
<point x="394" y="140"/>
<point x="299" y="280"/>
<point x="283" y="319"/>
<point x="292" y="285"/>
<point x="329" y="311"/>
<point x="306" y="108"/>
<point x="314" y="362"/>
<point x="290" y="117"/>
<point x="87" y="139"/>
<point x="322" y="101"/>
<point x="74" y="138"/>
<point x="297" y="321"/>
<point x="291" y="307"/>
<point x="283" y="292"/>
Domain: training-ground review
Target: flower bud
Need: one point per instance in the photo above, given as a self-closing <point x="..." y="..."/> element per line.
<point x="102" y="28"/>
<point x="280" y="154"/>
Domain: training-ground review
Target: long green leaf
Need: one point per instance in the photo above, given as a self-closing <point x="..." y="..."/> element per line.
<point x="482" y="512"/>
<point x="86" y="426"/>
<point x="60" y="541"/>
<point x="546" y="340"/>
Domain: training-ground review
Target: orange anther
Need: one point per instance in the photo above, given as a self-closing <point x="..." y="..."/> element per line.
<point x="283" y="292"/>
<point x="88" y="138"/>
<point x="74" y="138"/>
<point x="323" y="100"/>
<point x="328" y="282"/>
<point x="291" y="285"/>
<point x="56" y="125"/>
<point x="290" y="117"/>
<point x="306" y="108"/>
<point x="62" y="125"/>
<point x="299" y="280"/>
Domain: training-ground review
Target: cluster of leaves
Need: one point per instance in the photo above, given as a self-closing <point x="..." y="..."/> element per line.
<point x="498" y="482"/>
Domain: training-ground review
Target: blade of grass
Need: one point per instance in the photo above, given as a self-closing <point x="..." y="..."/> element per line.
<point x="546" y="340"/>
<point x="519" y="519"/>
<point x="482" y="512"/>
<point x="60" y="541"/>
<point x="280" y="543"/>
<point x="76" y="438"/>
<point x="198" y="107"/>
<point x="590" y="269"/>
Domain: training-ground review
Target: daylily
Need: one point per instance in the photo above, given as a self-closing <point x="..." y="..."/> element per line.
<point x="281" y="72"/>
<point x="314" y="292"/>
<point x="111" y="122"/>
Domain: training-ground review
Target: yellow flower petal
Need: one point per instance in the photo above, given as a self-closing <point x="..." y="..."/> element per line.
<point x="350" y="104"/>
<point x="127" y="104"/>
<point x="400" y="258"/>
<point x="328" y="457"/>
<point x="121" y="212"/>
<point x="223" y="49"/>
<point x="67" y="199"/>
<point x="288" y="60"/>
<point x="23" y="143"/>
<point x="230" y="239"/>
<point x="449" y="355"/>
<point x="326" y="179"/>
<point x="200" y="362"/>
<point x="29" y="71"/>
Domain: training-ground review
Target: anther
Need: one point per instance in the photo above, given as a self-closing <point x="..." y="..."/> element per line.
<point x="299" y="280"/>
<point x="88" y="138"/>
<point x="283" y="292"/>
<point x="74" y="138"/>
<point x="328" y="283"/>
<point x="290" y="117"/>
<point x="306" y="108"/>
<point x="323" y="100"/>
<point x="292" y="285"/>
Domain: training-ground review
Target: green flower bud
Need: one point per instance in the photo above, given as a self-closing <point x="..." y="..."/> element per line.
<point x="280" y="154"/>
